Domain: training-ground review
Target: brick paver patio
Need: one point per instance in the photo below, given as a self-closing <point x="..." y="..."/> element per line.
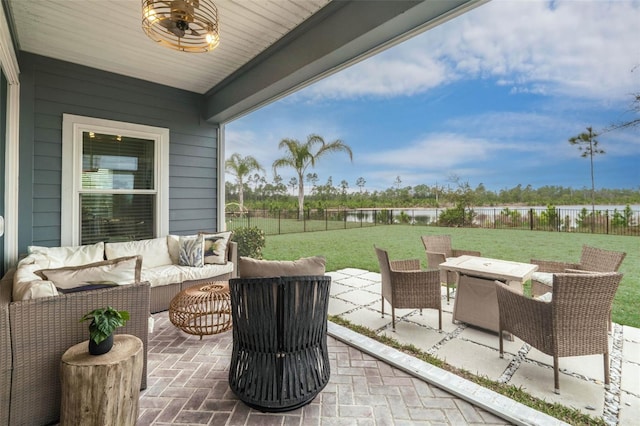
<point x="188" y="386"/>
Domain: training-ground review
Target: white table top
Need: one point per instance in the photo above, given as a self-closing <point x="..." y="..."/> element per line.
<point x="490" y="268"/>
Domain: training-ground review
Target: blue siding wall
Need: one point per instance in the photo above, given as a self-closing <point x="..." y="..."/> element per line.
<point x="50" y="88"/>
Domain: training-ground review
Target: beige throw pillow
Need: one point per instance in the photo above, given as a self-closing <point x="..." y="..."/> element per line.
<point x="252" y="268"/>
<point x="124" y="270"/>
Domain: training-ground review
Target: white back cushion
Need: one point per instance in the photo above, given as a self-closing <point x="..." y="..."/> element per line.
<point x="154" y="252"/>
<point x="71" y="255"/>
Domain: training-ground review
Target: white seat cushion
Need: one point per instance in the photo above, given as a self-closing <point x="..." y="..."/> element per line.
<point x="545" y="297"/>
<point x="543" y="277"/>
<point x="208" y="270"/>
<point x="162" y="275"/>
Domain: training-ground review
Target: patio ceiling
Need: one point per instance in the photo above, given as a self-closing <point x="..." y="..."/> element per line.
<point x="268" y="47"/>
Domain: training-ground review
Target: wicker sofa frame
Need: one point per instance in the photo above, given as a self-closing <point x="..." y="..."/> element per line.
<point x="573" y="323"/>
<point x="280" y="359"/>
<point x="35" y="333"/>
<point x="438" y="249"/>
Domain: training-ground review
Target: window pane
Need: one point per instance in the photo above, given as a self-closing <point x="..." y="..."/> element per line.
<point x="116" y="162"/>
<point x="116" y="217"/>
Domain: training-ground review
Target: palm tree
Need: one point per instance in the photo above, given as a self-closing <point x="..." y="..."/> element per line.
<point x="300" y="156"/>
<point x="241" y="167"/>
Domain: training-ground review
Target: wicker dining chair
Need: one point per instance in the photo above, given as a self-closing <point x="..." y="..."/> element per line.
<point x="592" y="259"/>
<point x="573" y="323"/>
<point x="438" y="249"/>
<point x="406" y="286"/>
<point x="279" y="359"/>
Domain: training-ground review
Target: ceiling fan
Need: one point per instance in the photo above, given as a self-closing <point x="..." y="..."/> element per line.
<point x="186" y="25"/>
<point x="182" y="14"/>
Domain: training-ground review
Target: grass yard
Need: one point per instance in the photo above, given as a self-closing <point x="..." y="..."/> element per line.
<point x="353" y="248"/>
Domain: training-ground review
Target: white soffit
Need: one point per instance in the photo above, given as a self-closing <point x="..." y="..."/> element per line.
<point x="107" y="35"/>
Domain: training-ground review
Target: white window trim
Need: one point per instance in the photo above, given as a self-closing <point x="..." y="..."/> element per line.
<point x="222" y="219"/>
<point x="72" y="128"/>
<point x="9" y="64"/>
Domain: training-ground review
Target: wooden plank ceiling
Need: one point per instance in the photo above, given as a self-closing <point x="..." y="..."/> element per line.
<point x="107" y="35"/>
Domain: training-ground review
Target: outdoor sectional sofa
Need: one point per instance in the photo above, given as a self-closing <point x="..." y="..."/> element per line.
<point x="161" y="267"/>
<point x="39" y="325"/>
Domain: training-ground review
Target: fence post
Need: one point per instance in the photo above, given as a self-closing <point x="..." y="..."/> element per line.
<point x="279" y="221"/>
<point x="326" y="219"/>
<point x="606" y="215"/>
<point x="248" y="218"/>
<point x="531" y="219"/>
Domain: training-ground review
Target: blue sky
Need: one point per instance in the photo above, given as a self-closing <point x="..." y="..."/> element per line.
<point x="491" y="97"/>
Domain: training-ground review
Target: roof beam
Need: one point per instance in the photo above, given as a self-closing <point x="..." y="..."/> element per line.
<point x="340" y="34"/>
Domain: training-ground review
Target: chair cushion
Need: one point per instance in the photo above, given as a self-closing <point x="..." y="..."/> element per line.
<point x="545" y="297"/>
<point x="543" y="277"/>
<point x="252" y="268"/>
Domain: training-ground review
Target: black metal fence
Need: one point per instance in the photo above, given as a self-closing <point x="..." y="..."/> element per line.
<point x="617" y="222"/>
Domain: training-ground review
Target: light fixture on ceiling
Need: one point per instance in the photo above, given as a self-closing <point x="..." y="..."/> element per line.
<point x="186" y="25"/>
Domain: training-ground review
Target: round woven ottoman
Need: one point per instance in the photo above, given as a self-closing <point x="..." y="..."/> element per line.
<point x="202" y="309"/>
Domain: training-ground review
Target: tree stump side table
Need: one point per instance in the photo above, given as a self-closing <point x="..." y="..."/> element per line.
<point x="202" y="309"/>
<point x="102" y="389"/>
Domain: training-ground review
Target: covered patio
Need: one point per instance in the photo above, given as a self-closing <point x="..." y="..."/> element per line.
<point x="91" y="59"/>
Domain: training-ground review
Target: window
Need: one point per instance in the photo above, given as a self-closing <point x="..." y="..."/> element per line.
<point x="114" y="180"/>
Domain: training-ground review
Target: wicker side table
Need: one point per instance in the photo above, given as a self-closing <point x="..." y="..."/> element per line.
<point x="203" y="309"/>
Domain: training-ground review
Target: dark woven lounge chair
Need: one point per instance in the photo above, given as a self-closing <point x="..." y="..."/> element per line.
<point x="280" y="359"/>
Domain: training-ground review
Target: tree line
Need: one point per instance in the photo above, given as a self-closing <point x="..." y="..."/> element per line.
<point x="274" y="194"/>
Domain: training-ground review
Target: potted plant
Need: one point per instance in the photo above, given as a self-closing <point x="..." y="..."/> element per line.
<point x="104" y="322"/>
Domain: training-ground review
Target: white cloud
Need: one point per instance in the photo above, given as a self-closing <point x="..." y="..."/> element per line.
<point x="565" y="48"/>
<point x="435" y="152"/>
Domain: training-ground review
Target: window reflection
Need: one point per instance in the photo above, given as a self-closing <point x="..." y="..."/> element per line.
<point x="117" y="175"/>
<point x="116" y="162"/>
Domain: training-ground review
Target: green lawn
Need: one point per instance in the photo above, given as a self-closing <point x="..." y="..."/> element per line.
<point x="354" y="248"/>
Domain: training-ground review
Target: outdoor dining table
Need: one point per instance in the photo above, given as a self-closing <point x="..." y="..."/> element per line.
<point x="475" y="300"/>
